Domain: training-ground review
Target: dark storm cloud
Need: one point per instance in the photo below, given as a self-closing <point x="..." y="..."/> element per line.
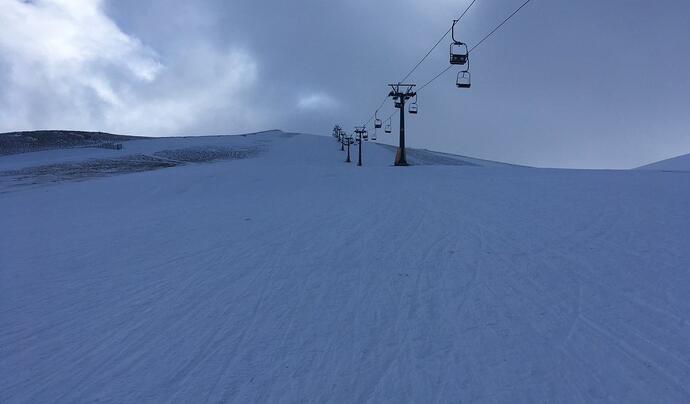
<point x="578" y="84"/>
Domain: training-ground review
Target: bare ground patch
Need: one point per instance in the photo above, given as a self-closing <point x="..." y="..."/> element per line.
<point x="96" y="168"/>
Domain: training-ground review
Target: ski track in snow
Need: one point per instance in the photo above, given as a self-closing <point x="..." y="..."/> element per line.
<point x="291" y="276"/>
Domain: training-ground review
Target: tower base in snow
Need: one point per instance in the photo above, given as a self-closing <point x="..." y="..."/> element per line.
<point x="400" y="159"/>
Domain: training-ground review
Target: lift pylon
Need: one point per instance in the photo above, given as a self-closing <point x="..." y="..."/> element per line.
<point x="400" y="94"/>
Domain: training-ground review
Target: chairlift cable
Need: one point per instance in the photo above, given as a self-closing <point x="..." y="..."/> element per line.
<point x="424" y="58"/>
<point x="377" y="109"/>
<point x="477" y="45"/>
<point x="500" y="25"/>
<point x="437" y="44"/>
<point x="434" y="79"/>
<point x="445" y="70"/>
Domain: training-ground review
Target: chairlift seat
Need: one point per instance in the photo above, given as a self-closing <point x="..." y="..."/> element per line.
<point x="459" y="54"/>
<point x="456" y="59"/>
<point x="464" y="80"/>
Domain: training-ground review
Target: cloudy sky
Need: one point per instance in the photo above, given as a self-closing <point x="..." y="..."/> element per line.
<point x="585" y="83"/>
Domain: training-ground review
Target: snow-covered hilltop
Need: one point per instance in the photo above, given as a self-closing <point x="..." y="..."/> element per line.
<point x="262" y="268"/>
<point x="32" y="141"/>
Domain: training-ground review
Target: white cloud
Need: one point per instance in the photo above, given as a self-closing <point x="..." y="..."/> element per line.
<point x="211" y="85"/>
<point x="66" y="64"/>
<point x="316" y="102"/>
<point x="63" y="37"/>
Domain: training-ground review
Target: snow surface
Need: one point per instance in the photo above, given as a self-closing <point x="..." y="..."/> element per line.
<point x="680" y="163"/>
<point x="288" y="275"/>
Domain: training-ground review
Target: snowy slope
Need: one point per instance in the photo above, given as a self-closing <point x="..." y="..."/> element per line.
<point x="423" y="157"/>
<point x="288" y="275"/>
<point x="680" y="163"/>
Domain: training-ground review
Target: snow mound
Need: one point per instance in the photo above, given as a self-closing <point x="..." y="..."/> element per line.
<point x="424" y="157"/>
<point x="680" y="163"/>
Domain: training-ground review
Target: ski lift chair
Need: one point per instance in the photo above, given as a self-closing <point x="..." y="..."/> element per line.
<point x="463" y="80"/>
<point x="413" y="106"/>
<point x="459" y="54"/>
<point x="377" y="122"/>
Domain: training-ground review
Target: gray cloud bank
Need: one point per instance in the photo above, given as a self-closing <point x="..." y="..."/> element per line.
<point x="576" y="84"/>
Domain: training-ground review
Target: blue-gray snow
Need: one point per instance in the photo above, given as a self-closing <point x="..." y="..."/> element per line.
<point x="263" y="268"/>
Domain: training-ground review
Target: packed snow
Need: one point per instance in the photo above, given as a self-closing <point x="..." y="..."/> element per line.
<point x="680" y="163"/>
<point x="264" y="268"/>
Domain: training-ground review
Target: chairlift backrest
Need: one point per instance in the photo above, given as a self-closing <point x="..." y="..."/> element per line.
<point x="459" y="54"/>
<point x="464" y="80"/>
<point x="377" y="121"/>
